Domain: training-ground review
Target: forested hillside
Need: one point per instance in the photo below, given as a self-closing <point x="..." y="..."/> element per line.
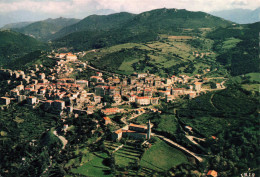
<point x="42" y="30"/>
<point x="237" y="47"/>
<point x="15" y="45"/>
<point x="135" y="28"/>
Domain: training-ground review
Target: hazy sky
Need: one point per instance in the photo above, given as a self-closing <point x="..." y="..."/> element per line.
<point x="36" y="9"/>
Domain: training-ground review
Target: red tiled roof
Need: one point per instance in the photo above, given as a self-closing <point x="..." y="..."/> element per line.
<point x="139" y="126"/>
<point x="118" y="131"/>
<point x="142" y="97"/>
<point x="212" y="173"/>
<point x="107" y="118"/>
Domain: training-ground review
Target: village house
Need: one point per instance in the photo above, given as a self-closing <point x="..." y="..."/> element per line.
<point x="107" y="120"/>
<point x="110" y="111"/>
<point x="48" y="104"/>
<point x="41" y="76"/>
<point x="71" y="57"/>
<point x="198" y="86"/>
<point x="141" y="75"/>
<point x="157" y="82"/>
<point x="132" y="98"/>
<point x="96" y="79"/>
<point x="148" y="92"/>
<point x="97" y="99"/>
<point x="164" y="93"/>
<point x="21" y="98"/>
<point x="32" y="100"/>
<point x="177" y="91"/>
<point x="20" y="87"/>
<point x="5" y="100"/>
<point x="142" y="100"/>
<point x="117" y="98"/>
<point x="170" y="98"/>
<point x="212" y="173"/>
<point x="125" y="81"/>
<point x="59" y="105"/>
<point x="218" y="85"/>
<point x="14" y="92"/>
<point x="140" y="132"/>
<point x="101" y="90"/>
<point x="83" y="83"/>
<point x="154" y="101"/>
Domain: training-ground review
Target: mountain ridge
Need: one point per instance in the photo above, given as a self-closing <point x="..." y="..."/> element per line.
<point x="241" y="16"/>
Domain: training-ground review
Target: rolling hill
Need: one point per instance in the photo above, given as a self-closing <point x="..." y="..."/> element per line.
<point x="15" y="45"/>
<point x="15" y="25"/>
<point x="96" y="22"/>
<point x="41" y="30"/>
<point x="125" y="27"/>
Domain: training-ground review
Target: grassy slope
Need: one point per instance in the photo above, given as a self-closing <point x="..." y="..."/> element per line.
<point x="162" y="54"/>
<point x="254" y="76"/>
<point x="161" y="157"/>
<point x="94" y="166"/>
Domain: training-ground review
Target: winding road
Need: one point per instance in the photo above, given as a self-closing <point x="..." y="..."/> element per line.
<point x="179" y="146"/>
<point x="64" y="141"/>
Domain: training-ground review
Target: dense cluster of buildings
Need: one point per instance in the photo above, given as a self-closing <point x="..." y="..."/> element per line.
<point x="59" y="93"/>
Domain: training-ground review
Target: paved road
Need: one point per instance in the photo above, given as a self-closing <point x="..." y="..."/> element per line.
<point x="179" y="146"/>
<point x="191" y="138"/>
<point x="64" y="141"/>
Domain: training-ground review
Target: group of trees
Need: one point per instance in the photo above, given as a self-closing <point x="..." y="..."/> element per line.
<point x="236" y="147"/>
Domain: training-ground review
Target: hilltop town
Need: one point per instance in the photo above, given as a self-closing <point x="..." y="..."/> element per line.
<point x="58" y="92"/>
<point x="54" y="90"/>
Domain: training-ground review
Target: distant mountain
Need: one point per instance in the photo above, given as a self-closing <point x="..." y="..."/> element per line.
<point x="96" y="22"/>
<point x="15" y="45"/>
<point x="100" y="31"/>
<point x="241" y="16"/>
<point x="41" y="30"/>
<point x="16" y="25"/>
<point x="104" y="12"/>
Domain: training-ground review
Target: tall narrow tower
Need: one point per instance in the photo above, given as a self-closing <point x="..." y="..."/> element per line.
<point x="149" y="130"/>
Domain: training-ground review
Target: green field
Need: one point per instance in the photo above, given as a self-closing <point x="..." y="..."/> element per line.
<point x="168" y="123"/>
<point x="254" y="76"/>
<point x="230" y="43"/>
<point x="252" y="87"/>
<point x="161" y="157"/>
<point x="94" y="166"/>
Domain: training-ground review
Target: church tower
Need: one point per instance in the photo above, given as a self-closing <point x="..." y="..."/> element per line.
<point x="149" y="130"/>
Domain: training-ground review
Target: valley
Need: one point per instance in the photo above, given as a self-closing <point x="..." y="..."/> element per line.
<point x="167" y="92"/>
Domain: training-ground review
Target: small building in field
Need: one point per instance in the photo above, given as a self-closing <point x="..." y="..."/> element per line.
<point x="212" y="173"/>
